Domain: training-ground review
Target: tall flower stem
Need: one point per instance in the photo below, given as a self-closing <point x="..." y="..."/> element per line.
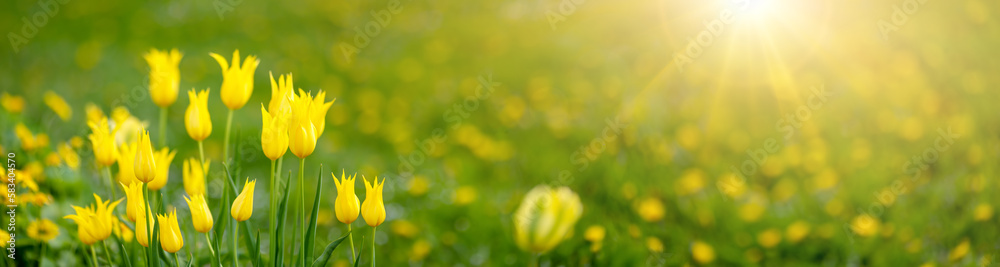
<point x="149" y="231"/>
<point x="163" y="126"/>
<point x="93" y="255"/>
<point x="236" y="245"/>
<point x="177" y="260"/>
<point x="107" y="251"/>
<point x="210" y="248"/>
<point x="350" y="236"/>
<point x="273" y="215"/>
<point x="302" y="203"/>
<point x="107" y="172"/>
<point x="225" y="142"/>
<point x="373" y="245"/>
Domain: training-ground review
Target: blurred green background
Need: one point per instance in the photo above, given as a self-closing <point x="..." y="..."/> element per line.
<point x="661" y="187"/>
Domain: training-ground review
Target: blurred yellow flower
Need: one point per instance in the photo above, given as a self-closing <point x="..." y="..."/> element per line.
<point x="373" y="209"/>
<point x="959" y="251"/>
<point x="123" y="232"/>
<point x="418" y="185"/>
<point x="546" y="216"/>
<point x="164" y="76"/>
<point x="52" y="159"/>
<point x="197" y="121"/>
<point x="864" y="225"/>
<point x="464" y="195"/>
<point x="119" y="114"/>
<point x="633" y="230"/>
<point x="751" y="212"/>
<point x="243" y="204"/>
<point x="27" y="138"/>
<point x="145" y="162"/>
<point x="69" y="156"/>
<point x="702" y="252"/>
<point x="237" y="80"/>
<point x="983" y="212"/>
<point x="125" y="159"/>
<point x="796" y="231"/>
<point x="654" y="244"/>
<point x="76" y="142"/>
<point x="769" y="238"/>
<point x="96" y="221"/>
<point x="651" y="209"/>
<point x="420" y="250"/>
<point x="690" y="182"/>
<point x="12" y="103"/>
<point x="143" y="225"/>
<point x="346" y="205"/>
<point x="135" y="201"/>
<point x="274" y="133"/>
<point x="163" y="159"/>
<point x="170" y="232"/>
<point x="42" y="230"/>
<point x="201" y="216"/>
<point x="58" y="105"/>
<point x="4" y="236"/>
<point x="594" y="233"/>
<point x="404" y="228"/>
<point x="94" y="113"/>
<point x="37" y="199"/>
<point x="194" y="176"/>
<point x="103" y="141"/>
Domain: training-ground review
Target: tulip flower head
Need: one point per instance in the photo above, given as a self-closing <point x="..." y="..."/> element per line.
<point x="545" y="217"/>
<point x="163" y="159"/>
<point x="318" y="109"/>
<point x="58" y="105"/>
<point x="237" y="80"/>
<point x="282" y="93"/>
<point x="243" y="205"/>
<point x="145" y="162"/>
<point x="194" y="176"/>
<point x="197" y="121"/>
<point x="170" y="232"/>
<point x="346" y="204"/>
<point x="302" y="133"/>
<point x="95" y="223"/>
<point x="126" y="163"/>
<point x="164" y="76"/>
<point x="141" y="231"/>
<point x="136" y="203"/>
<point x="12" y="103"/>
<point x="201" y="216"/>
<point x="94" y="113"/>
<point x="373" y="209"/>
<point x="103" y="141"/>
<point x="274" y="133"/>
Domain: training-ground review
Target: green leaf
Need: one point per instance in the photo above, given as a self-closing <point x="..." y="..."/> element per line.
<point x="358" y="258"/>
<point x="257" y="261"/>
<point x="310" y="238"/>
<point x="280" y="224"/>
<point x="325" y="257"/>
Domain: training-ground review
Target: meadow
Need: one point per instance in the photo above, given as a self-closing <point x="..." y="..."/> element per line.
<point x="500" y="133"/>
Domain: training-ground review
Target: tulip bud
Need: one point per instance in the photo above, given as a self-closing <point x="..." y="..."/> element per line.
<point x="136" y="203"/>
<point x="346" y="205"/>
<point x="170" y="232"/>
<point x="197" y="121"/>
<point x="141" y="231"/>
<point x="194" y="176"/>
<point x="163" y="159"/>
<point x="164" y="76"/>
<point x="274" y="134"/>
<point x="145" y="163"/>
<point x="201" y="216"/>
<point x="373" y="209"/>
<point x="237" y="81"/>
<point x="126" y="164"/>
<point x="545" y="217"/>
<point x="103" y="141"/>
<point x="243" y="205"/>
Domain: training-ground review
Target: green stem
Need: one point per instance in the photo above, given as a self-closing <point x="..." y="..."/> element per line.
<point x="107" y="251"/>
<point x="236" y="262"/>
<point x="210" y="247"/>
<point x="93" y="255"/>
<point x="273" y="214"/>
<point x="201" y="151"/>
<point x="350" y="236"/>
<point x="107" y="172"/>
<point x="373" y="245"/>
<point x="149" y="230"/>
<point x="225" y="142"/>
<point x="163" y="127"/>
<point x="177" y="260"/>
<point x="302" y="206"/>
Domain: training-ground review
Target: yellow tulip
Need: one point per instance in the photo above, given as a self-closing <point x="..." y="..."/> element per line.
<point x="58" y="105"/>
<point x="274" y="134"/>
<point x="27" y="138"/>
<point x="95" y="222"/>
<point x="373" y="209"/>
<point x="545" y="218"/>
<point x="69" y="156"/>
<point x="164" y="76"/>
<point x="145" y="163"/>
<point x="346" y="205"/>
<point x="201" y="216"/>
<point x="170" y="232"/>
<point x="301" y="130"/>
<point x="282" y="93"/>
<point x="136" y="202"/>
<point x="702" y="252"/>
<point x="126" y="160"/>
<point x="12" y="103"/>
<point x="237" y="80"/>
<point x="163" y="159"/>
<point x="42" y="230"/>
<point x="196" y="117"/>
<point x="103" y="141"/>
<point x="317" y="110"/>
<point x="194" y="176"/>
<point x="243" y="205"/>
<point x="141" y="231"/>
